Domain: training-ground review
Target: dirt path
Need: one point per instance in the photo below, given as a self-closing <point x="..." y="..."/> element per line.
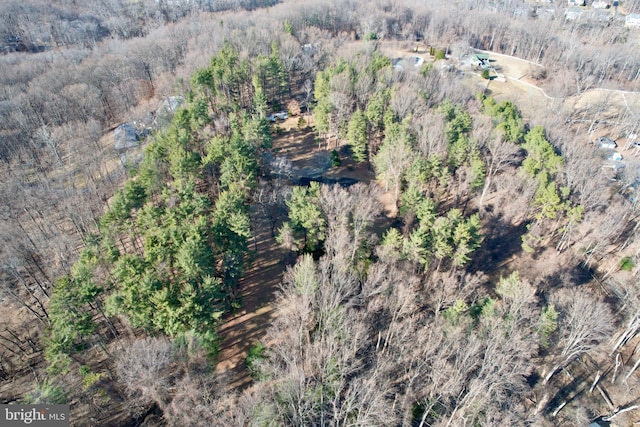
<point x="249" y="324"/>
<point x="530" y="97"/>
<point x="514" y="83"/>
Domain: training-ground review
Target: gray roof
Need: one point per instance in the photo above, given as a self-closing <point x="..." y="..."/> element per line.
<point x="125" y="136"/>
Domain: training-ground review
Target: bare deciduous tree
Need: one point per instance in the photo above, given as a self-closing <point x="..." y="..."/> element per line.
<point x="501" y="154"/>
<point x="584" y="324"/>
<point x="146" y="367"/>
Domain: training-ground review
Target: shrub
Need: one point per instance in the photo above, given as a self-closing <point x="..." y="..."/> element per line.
<point x="548" y="324"/>
<point x="255" y="354"/>
<point x="370" y="36"/>
<point x="485" y="74"/>
<point x="46" y="393"/>
<point x="538" y="73"/>
<point x="626" y="263"/>
<point x="335" y="159"/>
<point x="302" y="123"/>
<point x="426" y="67"/>
<point x="89" y="378"/>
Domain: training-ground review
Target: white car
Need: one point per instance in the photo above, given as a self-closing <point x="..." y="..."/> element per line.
<point x="283" y="115"/>
<point x="606" y="143"/>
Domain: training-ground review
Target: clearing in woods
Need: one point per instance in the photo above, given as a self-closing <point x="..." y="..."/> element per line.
<point x="258" y="287"/>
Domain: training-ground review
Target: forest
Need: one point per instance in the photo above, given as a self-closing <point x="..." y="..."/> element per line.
<point x="305" y="230"/>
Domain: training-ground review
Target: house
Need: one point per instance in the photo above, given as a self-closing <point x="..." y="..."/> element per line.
<point x="614" y="157"/>
<point x="577" y="2"/>
<point x="406" y="63"/>
<point x="600" y="4"/>
<point x="573" y="13"/>
<point x="126" y="136"/>
<point x="480" y="60"/>
<point x="606" y="143"/>
<point x="600" y="15"/>
<point x="416" y="60"/>
<point x="632" y="20"/>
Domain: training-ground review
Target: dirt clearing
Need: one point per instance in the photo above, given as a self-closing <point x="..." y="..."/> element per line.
<point x="249" y="324"/>
<point x="259" y="285"/>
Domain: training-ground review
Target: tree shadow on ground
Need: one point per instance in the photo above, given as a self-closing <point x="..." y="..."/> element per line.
<point x="502" y="241"/>
<point x="569" y="386"/>
<point x="577" y="275"/>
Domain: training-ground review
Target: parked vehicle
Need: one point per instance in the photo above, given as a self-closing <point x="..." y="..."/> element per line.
<point x="274" y="117"/>
<point x="606" y="143"/>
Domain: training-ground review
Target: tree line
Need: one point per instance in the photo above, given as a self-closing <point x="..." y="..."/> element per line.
<point x="24" y="25"/>
<point x="172" y="245"/>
